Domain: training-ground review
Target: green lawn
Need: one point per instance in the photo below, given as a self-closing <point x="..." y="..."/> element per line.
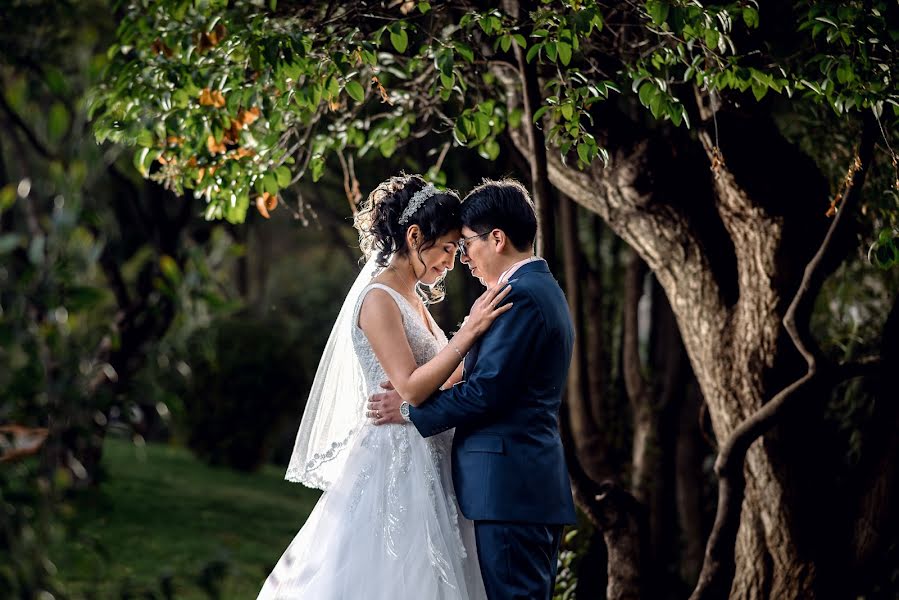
<point x="161" y="512"/>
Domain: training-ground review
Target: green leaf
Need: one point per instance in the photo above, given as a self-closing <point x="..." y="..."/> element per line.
<point x="551" y="51"/>
<point x="482" y="125"/>
<point x="270" y="183"/>
<point x="317" y="167"/>
<point x="170" y="269"/>
<point x="519" y="39"/>
<point x="282" y="174"/>
<point x="400" y="40"/>
<point x="236" y="211"/>
<point x="583" y="152"/>
<point x="540" y="112"/>
<point x="751" y="17"/>
<point x="56" y="81"/>
<point x="657" y="104"/>
<point x="658" y="11"/>
<point x="459" y="133"/>
<point x="355" y="90"/>
<point x="448" y="81"/>
<point x="564" y="52"/>
<point x="424" y="7"/>
<point x="759" y="90"/>
<point x="57" y="121"/>
<point x="535" y="49"/>
<point x="844" y="73"/>
<point x="464" y="50"/>
<point x="388" y="146"/>
<point x="445" y="61"/>
<point x="489" y="149"/>
<point x="143" y="158"/>
<point x="515" y="118"/>
<point x="647" y="93"/>
<point x="505" y="43"/>
<point x="7" y="196"/>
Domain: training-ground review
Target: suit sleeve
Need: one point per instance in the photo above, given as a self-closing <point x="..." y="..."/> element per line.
<point x="502" y="362"/>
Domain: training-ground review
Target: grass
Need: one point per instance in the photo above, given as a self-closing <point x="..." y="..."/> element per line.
<point x="163" y="514"/>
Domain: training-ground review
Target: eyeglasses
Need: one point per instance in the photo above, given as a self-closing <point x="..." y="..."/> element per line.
<point x="463" y="249"/>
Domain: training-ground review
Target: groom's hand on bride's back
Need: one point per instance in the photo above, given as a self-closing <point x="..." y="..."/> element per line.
<point x="384" y="408"/>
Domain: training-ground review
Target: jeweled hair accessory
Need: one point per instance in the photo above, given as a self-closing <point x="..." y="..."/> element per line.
<point x="418" y="199"/>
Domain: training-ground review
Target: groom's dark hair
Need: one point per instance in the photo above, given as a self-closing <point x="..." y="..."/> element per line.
<point x="504" y="204"/>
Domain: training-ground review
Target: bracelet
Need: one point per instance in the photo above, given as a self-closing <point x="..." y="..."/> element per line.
<point x="453" y="346"/>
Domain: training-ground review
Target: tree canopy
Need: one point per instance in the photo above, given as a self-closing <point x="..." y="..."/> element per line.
<point x="238" y="100"/>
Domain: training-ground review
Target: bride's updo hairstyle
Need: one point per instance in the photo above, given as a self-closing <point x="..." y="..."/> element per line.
<point x="378" y="219"/>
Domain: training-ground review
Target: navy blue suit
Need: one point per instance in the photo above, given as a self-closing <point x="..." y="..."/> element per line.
<point x="508" y="463"/>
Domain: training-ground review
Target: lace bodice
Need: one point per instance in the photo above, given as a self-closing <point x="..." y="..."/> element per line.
<point x="424" y="345"/>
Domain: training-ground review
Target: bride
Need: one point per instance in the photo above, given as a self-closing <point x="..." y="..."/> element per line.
<point x="388" y="525"/>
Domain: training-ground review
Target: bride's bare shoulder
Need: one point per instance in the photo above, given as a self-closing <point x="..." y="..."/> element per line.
<point x="379" y="309"/>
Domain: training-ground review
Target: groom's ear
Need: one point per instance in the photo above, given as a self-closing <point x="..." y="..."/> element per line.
<point x="499" y="239"/>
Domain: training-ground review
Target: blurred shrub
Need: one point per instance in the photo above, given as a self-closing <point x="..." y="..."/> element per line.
<point x="246" y="381"/>
<point x="28" y="507"/>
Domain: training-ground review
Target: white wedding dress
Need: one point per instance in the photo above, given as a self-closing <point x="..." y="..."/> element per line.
<point x="388" y="528"/>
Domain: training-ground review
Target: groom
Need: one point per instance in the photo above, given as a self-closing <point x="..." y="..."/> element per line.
<point x="508" y="465"/>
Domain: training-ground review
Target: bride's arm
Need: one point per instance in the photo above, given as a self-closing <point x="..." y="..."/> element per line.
<point x="382" y="323"/>
<point x="455" y="378"/>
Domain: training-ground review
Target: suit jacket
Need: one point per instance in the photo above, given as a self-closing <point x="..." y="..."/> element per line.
<point x="508" y="461"/>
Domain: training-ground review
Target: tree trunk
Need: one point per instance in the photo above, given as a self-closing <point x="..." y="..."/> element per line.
<point x="653" y="390"/>
<point x="588" y="440"/>
<point x="536" y="156"/>
<point x="616" y="515"/>
<point x="144" y="318"/>
<point x="689" y="483"/>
